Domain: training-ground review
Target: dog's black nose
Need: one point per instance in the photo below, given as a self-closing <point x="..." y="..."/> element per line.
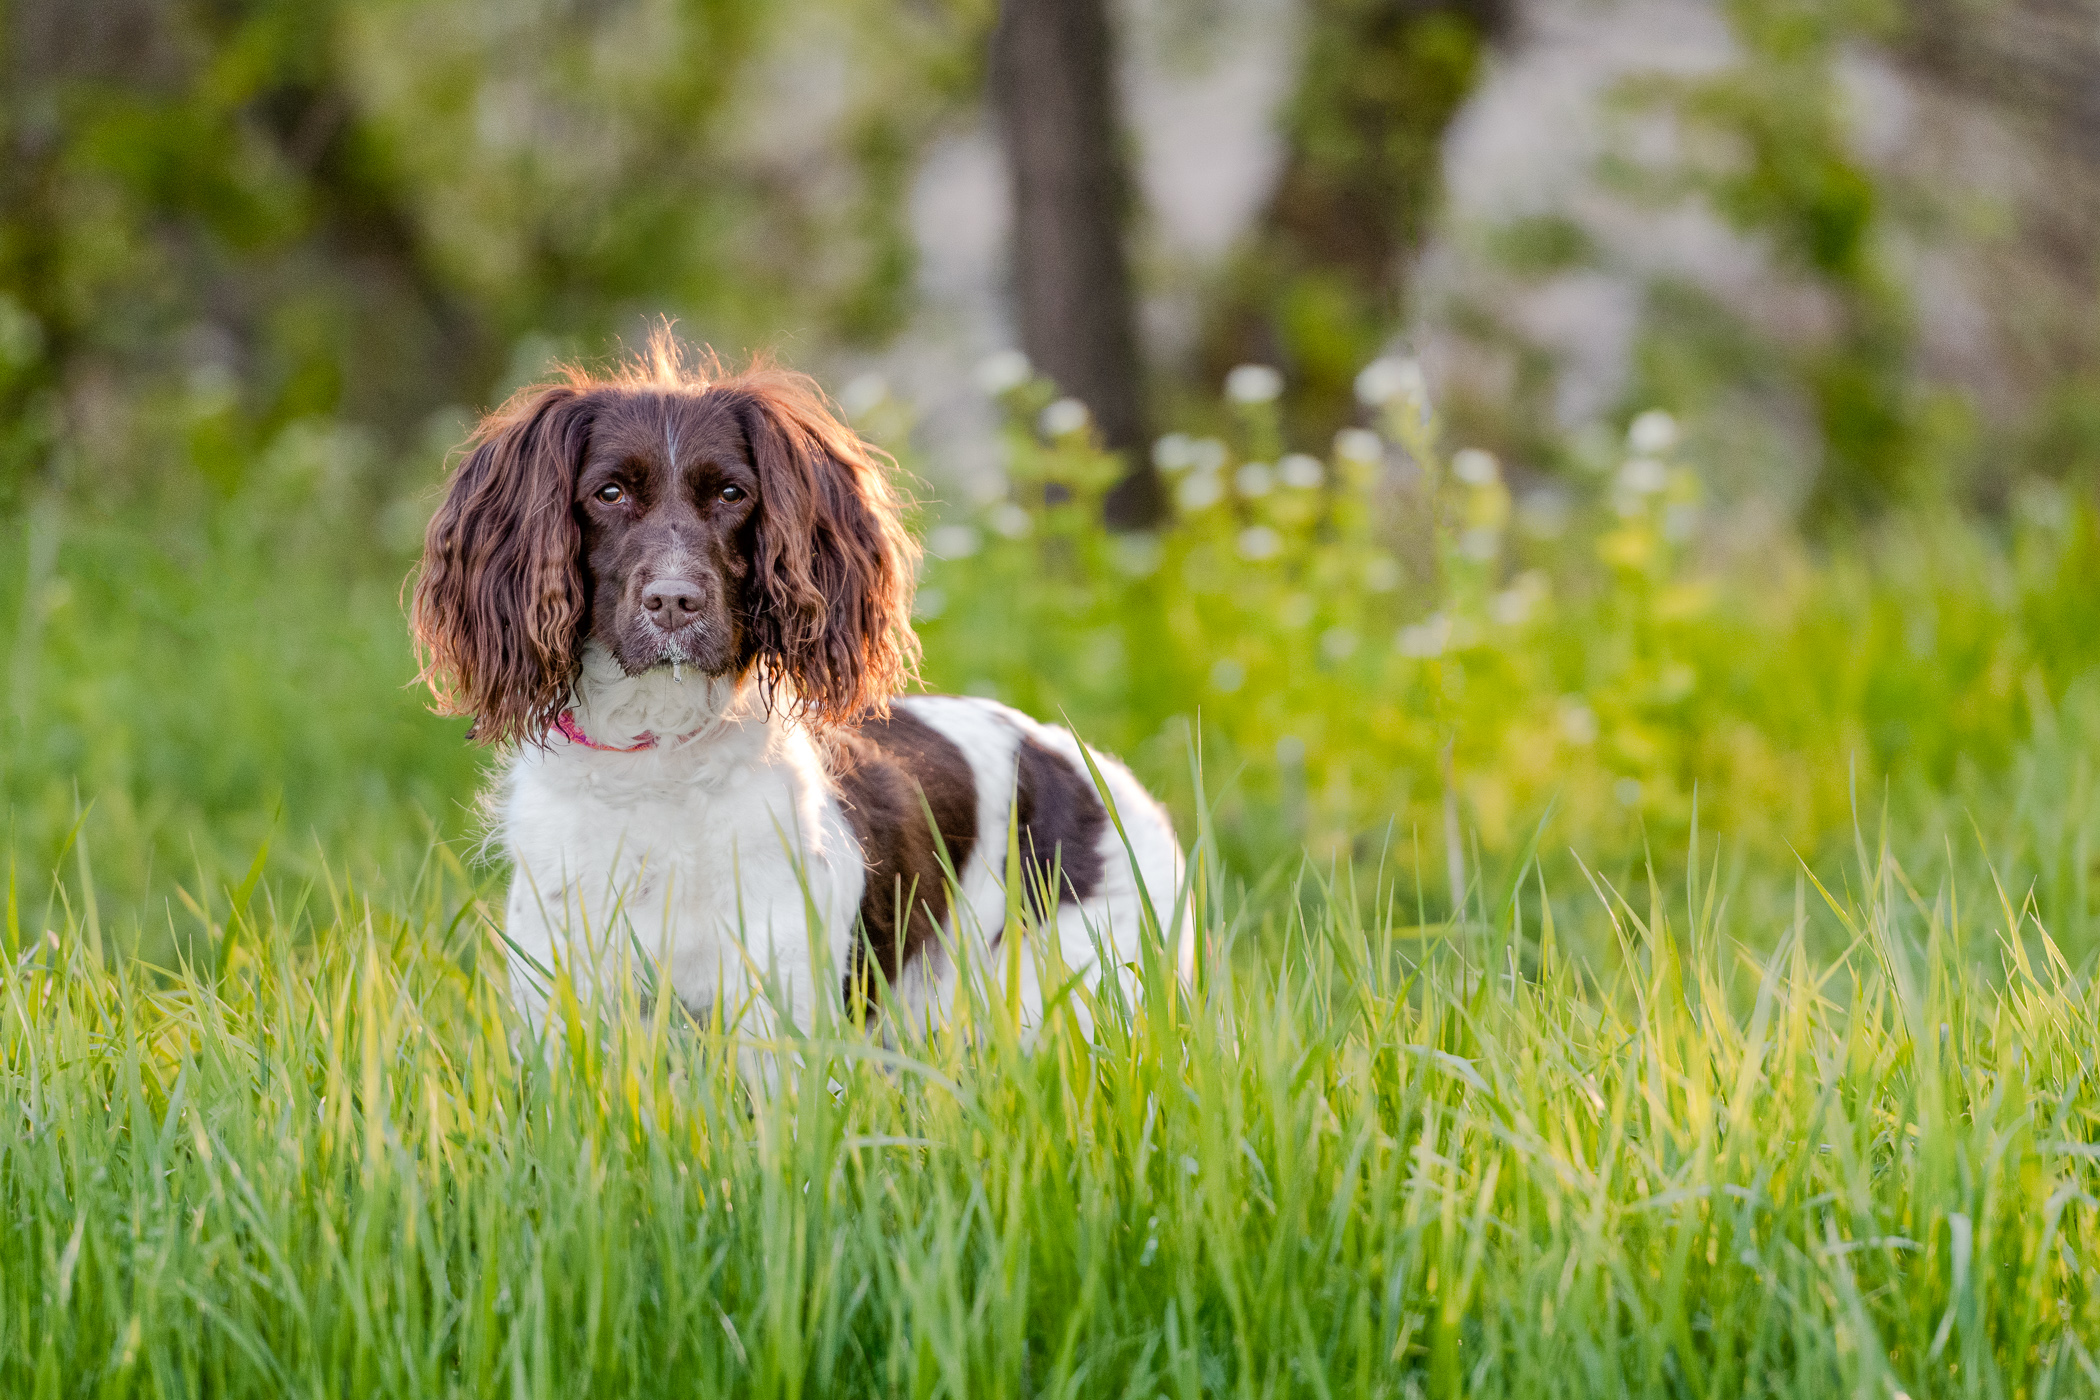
<point x="672" y="602"/>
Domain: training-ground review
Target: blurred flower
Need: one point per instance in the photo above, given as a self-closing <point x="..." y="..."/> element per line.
<point x="1482" y="543"/>
<point x="1577" y="720"/>
<point x="1137" y="554"/>
<point x="1004" y="370"/>
<point x="1259" y="542"/>
<point x="1381" y="573"/>
<point x="1476" y="468"/>
<point x="1290" y="751"/>
<point x="1200" y="491"/>
<point x="1173" y="453"/>
<point x="1390" y="378"/>
<point x="1011" y="520"/>
<point x="1652" y="432"/>
<point x="1303" y="472"/>
<point x="2042" y="503"/>
<point x="1254" y="479"/>
<point x="1513" y="604"/>
<point x="863" y="392"/>
<point x="929" y="604"/>
<point x="1227" y="675"/>
<point x="953" y="541"/>
<point x="1543" y="514"/>
<point x="1338" y="643"/>
<point x="1644" y="475"/>
<point x="1297" y="610"/>
<point x="1628" y="791"/>
<point x="984" y="486"/>
<point x="1207" y="454"/>
<point x="1359" y="445"/>
<point x="1064" y="417"/>
<point x="1253" y="384"/>
<point x="1426" y="638"/>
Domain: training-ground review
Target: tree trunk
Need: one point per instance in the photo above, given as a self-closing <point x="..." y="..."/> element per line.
<point x="1319" y="285"/>
<point x="1053" y="85"/>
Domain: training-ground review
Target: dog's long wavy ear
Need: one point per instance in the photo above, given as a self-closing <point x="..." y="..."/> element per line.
<point x="500" y="599"/>
<point x="829" y="607"/>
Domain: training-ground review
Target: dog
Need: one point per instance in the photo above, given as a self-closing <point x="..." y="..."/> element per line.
<point x="678" y="602"/>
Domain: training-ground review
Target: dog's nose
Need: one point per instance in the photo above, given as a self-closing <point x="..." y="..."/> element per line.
<point x="672" y="602"/>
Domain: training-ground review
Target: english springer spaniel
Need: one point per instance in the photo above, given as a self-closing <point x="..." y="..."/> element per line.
<point x="680" y="602"/>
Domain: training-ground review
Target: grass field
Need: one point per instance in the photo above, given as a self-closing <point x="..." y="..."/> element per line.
<point x="320" y="1161"/>
<point x="1742" y="1041"/>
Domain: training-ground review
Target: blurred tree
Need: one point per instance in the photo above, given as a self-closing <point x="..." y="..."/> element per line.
<point x="218" y="218"/>
<point x="1053" y="86"/>
<point x="1320" y="284"/>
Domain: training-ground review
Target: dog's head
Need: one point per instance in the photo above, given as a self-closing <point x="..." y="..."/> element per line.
<point x="727" y="523"/>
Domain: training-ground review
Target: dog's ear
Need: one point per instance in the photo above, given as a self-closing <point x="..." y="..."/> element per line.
<point x="499" y="599"/>
<point x="828" y="610"/>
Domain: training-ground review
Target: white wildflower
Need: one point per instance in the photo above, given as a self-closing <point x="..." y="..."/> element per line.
<point x="1254" y="479"/>
<point x="1253" y="384"/>
<point x="1259" y="542"/>
<point x="1136" y="554"/>
<point x="1476" y="468"/>
<point x="1359" y="445"/>
<point x="1301" y="472"/>
<point x="1392" y="378"/>
<point x="1064" y="417"/>
<point x="1482" y="543"/>
<point x="1644" y="475"/>
<point x="1173" y="453"/>
<point x="1200" y="491"/>
<point x="953" y="541"/>
<point x="1426" y="638"/>
<point x="1004" y="370"/>
<point x="1652" y="432"/>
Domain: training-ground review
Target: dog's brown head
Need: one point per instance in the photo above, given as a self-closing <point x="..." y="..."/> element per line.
<point x="726" y="522"/>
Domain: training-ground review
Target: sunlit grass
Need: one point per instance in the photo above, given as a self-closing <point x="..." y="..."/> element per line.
<point x="1358" y="1156"/>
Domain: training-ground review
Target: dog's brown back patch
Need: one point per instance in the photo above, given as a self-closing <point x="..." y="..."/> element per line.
<point x="1061" y="820"/>
<point x="890" y="773"/>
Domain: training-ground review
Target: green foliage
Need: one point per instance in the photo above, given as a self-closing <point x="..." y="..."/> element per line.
<point x="1370" y="637"/>
<point x="1770" y="149"/>
<point x="367" y="210"/>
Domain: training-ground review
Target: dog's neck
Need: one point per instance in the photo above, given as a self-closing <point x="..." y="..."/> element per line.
<point x="620" y="711"/>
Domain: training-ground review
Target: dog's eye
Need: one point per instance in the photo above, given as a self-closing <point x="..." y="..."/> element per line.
<point x="733" y="493"/>
<point x="611" y="495"/>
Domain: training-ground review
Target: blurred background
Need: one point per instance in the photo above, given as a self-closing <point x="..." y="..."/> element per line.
<point x="1421" y="434"/>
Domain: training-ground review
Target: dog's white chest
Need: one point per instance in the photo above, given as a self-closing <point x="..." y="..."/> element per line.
<point x="719" y="858"/>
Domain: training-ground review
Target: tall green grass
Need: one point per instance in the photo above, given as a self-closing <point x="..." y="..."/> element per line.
<point x="322" y="1159"/>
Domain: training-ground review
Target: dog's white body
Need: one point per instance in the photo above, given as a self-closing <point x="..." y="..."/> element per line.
<point x="724" y="856"/>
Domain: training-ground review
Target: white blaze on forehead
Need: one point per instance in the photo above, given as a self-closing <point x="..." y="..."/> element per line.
<point x="671" y="439"/>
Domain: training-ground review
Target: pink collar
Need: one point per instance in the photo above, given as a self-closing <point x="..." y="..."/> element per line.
<point x="573" y="732"/>
<point x="565" y="724"/>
